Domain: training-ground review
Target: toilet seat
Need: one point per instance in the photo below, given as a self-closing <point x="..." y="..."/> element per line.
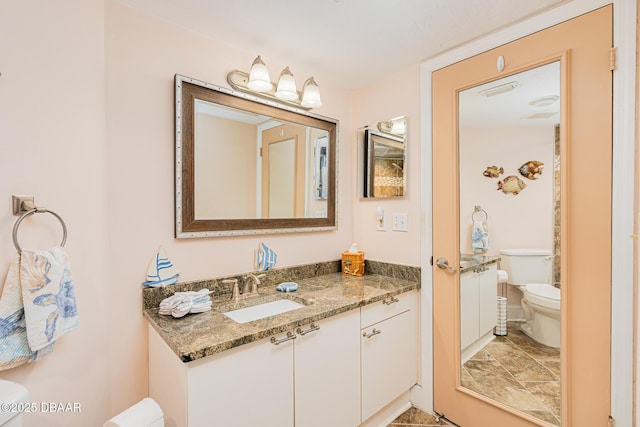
<point x="543" y="294"/>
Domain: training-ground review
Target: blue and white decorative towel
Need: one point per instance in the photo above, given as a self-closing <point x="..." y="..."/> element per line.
<point x="266" y="258"/>
<point x="480" y="236"/>
<point x="37" y="306"/>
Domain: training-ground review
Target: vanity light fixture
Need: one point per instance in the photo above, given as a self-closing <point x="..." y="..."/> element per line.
<point x="287" y="86"/>
<point x="311" y="94"/>
<point x="259" y="80"/>
<point x="258" y="83"/>
<point x="396" y="126"/>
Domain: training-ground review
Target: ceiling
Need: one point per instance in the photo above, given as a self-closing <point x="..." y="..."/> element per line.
<point x="347" y="43"/>
<point x="514" y="107"/>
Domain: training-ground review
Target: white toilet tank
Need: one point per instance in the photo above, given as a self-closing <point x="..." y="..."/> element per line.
<point x="527" y="265"/>
<point x="12" y="394"/>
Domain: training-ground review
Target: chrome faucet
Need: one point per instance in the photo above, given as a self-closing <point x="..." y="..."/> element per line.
<point x="251" y="282"/>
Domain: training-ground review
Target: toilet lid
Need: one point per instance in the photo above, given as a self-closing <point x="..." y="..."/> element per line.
<point x="543" y="294"/>
<point x="10" y="393"/>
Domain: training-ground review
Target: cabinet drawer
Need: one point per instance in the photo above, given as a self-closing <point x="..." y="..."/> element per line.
<point x="389" y="307"/>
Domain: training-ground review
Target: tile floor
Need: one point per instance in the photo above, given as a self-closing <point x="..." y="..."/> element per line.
<point x="519" y="372"/>
<point x="414" y="417"/>
<point x="514" y="370"/>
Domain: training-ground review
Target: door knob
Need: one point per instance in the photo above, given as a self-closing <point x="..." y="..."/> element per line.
<point x="443" y="264"/>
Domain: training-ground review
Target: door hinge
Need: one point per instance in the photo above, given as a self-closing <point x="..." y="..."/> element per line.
<point x="260" y="151"/>
<point x="612" y="59"/>
<point x="612" y="422"/>
<point x="431" y="260"/>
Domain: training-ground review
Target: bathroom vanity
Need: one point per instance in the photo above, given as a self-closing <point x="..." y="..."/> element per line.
<point x="478" y="303"/>
<point x="337" y="361"/>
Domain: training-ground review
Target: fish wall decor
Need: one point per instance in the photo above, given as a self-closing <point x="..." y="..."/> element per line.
<point x="493" y="171"/>
<point x="532" y="169"/>
<point x="511" y="184"/>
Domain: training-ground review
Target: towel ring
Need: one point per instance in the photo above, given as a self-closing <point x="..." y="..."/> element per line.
<point x="31" y="212"/>
<point x="478" y="209"/>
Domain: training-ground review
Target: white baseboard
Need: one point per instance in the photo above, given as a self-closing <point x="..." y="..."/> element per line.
<point x="386" y="415"/>
<point x="515" y="313"/>
<point x="472" y="349"/>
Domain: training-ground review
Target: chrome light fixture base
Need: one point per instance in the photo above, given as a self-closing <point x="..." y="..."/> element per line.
<point x="239" y="80"/>
<point x="258" y="83"/>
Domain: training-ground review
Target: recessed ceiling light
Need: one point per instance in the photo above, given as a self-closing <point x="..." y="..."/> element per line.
<point x="544" y="101"/>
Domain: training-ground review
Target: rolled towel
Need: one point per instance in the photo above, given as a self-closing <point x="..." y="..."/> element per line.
<point x="182" y="303"/>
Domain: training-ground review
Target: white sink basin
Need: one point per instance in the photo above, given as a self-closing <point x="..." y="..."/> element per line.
<point x="260" y="311"/>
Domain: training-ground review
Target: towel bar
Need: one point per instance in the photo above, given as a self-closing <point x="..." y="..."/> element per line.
<point x="31" y="212"/>
<point x="478" y="209"/>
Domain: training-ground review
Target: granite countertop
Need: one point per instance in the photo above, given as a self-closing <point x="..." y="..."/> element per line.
<point x="469" y="262"/>
<point x="200" y="335"/>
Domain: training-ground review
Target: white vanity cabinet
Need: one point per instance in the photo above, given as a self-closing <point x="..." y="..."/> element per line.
<point x="478" y="304"/>
<point x="311" y="380"/>
<point x="389" y="350"/>
<point x="243" y="386"/>
<point x="327" y="372"/>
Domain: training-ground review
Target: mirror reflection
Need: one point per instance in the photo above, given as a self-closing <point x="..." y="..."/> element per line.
<point x="509" y="168"/>
<point x="382" y="159"/>
<point x="245" y="167"/>
<point x="280" y="168"/>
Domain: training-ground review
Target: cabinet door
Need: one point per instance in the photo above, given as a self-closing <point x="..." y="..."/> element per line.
<point x="251" y="385"/>
<point x="488" y="300"/>
<point x="389" y="361"/>
<point x="327" y="373"/>
<point x="469" y="308"/>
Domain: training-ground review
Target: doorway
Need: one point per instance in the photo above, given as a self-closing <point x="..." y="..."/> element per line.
<point x="585" y="129"/>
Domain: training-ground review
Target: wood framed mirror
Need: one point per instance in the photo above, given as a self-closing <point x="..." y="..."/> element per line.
<point x="248" y="166"/>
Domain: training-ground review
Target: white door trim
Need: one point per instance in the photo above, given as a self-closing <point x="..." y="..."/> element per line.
<point x="624" y="117"/>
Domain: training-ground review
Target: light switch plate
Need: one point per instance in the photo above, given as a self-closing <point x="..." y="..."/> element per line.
<point x="400" y="221"/>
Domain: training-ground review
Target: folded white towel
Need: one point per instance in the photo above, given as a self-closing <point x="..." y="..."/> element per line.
<point x="480" y="236"/>
<point x="182" y="303"/>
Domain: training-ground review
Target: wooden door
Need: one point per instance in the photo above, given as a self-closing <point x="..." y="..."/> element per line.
<point x="582" y="46"/>
<point x="283" y="177"/>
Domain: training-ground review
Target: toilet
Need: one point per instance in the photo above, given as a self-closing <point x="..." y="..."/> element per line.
<point x="16" y="395"/>
<point x="530" y="271"/>
<point x="146" y="413"/>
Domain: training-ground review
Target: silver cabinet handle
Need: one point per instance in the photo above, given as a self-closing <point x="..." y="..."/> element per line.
<point x="312" y="327"/>
<point x="374" y="332"/>
<point x="290" y="336"/>
<point x="391" y="301"/>
<point x="443" y="264"/>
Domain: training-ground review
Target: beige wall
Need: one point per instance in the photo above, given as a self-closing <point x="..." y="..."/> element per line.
<point x="115" y="192"/>
<point x="397" y="95"/>
<point x="225" y="168"/>
<point x="52" y="128"/>
<point x="142" y="54"/>
<point x="522" y="221"/>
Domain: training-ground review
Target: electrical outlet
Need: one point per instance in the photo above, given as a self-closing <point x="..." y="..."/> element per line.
<point x="400" y="222"/>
